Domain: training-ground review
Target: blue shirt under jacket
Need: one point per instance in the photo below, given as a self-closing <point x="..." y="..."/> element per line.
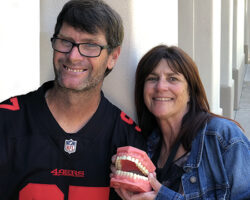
<point x="218" y="166"/>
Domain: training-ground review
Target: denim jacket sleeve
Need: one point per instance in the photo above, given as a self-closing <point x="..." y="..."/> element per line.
<point x="168" y="194"/>
<point x="237" y="165"/>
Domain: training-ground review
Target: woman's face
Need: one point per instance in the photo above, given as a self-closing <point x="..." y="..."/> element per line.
<point x="166" y="93"/>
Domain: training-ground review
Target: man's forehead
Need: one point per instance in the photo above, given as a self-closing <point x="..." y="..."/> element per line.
<point x="68" y="31"/>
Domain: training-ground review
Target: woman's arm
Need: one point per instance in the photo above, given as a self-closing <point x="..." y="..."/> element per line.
<point x="237" y="164"/>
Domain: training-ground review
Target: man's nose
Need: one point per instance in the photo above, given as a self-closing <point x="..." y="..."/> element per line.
<point x="74" y="54"/>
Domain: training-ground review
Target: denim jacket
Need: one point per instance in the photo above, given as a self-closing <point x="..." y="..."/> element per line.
<point x="218" y="166"/>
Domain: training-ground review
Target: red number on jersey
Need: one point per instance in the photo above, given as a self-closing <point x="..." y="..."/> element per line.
<point x="126" y="118"/>
<point x="14" y="106"/>
<point x="41" y="192"/>
<point x="52" y="192"/>
<point x="93" y="193"/>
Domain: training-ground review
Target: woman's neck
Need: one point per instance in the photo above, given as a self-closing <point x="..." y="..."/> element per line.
<point x="170" y="131"/>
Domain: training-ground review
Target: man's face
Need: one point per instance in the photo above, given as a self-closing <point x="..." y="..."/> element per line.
<point x="76" y="72"/>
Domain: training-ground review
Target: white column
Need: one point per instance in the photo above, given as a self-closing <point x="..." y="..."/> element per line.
<point x="227" y="83"/>
<point x="247" y="24"/>
<point x="238" y="49"/>
<point x="199" y="35"/>
<point x="207" y="31"/>
<point x="19" y="49"/>
<point x="246" y="31"/>
<point x="186" y="26"/>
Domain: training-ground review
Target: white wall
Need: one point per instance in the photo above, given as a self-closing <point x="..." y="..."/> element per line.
<point x="49" y="10"/>
<point x="19" y="49"/>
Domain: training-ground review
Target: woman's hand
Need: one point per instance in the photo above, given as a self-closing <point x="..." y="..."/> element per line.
<point x="112" y="166"/>
<point x="127" y="195"/>
<point x="155" y="184"/>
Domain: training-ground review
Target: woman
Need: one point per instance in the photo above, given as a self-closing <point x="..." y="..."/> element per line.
<point x="198" y="154"/>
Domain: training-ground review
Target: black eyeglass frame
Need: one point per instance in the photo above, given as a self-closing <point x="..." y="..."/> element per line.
<point x="77" y="45"/>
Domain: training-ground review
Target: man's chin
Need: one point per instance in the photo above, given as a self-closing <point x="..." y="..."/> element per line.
<point x="73" y="87"/>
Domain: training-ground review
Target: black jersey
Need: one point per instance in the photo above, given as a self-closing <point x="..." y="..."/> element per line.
<point x="38" y="160"/>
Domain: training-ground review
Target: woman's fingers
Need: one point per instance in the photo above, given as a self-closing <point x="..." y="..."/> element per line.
<point x="124" y="194"/>
<point x="113" y="159"/>
<point x="156" y="185"/>
<point x="112" y="166"/>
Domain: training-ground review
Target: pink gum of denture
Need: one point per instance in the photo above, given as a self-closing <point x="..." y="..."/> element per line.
<point x="126" y="182"/>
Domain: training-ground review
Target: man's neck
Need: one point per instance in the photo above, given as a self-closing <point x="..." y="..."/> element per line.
<point x="71" y="109"/>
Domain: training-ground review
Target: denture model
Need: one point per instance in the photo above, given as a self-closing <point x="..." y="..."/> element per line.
<point x="132" y="169"/>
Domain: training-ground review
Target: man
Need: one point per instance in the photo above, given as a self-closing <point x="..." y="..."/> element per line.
<point x="57" y="142"/>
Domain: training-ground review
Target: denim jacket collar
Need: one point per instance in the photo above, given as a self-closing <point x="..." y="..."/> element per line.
<point x="195" y="157"/>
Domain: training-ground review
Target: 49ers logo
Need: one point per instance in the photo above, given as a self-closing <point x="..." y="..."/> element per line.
<point x="13" y="106"/>
<point x="67" y="172"/>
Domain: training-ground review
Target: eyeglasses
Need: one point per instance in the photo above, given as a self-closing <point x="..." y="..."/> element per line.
<point x="85" y="49"/>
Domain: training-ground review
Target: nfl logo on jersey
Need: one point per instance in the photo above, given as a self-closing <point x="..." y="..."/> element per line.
<point x="70" y="146"/>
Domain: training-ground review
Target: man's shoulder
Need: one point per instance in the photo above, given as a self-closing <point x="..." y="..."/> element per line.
<point x="18" y="103"/>
<point x="16" y="108"/>
<point x="119" y="116"/>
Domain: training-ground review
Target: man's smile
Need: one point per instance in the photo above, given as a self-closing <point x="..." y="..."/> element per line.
<point x="73" y="69"/>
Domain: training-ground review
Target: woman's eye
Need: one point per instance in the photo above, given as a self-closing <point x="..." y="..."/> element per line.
<point x="151" y="79"/>
<point x="173" y="79"/>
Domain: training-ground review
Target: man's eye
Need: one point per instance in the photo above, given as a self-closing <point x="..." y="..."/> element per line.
<point x="66" y="43"/>
<point x="90" y="46"/>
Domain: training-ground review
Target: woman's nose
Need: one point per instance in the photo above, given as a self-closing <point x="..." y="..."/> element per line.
<point x="162" y="85"/>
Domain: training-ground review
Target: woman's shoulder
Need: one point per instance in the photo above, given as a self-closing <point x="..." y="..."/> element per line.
<point x="217" y="123"/>
<point x="225" y="130"/>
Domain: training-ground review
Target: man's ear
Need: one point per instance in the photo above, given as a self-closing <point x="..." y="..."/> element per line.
<point x="113" y="57"/>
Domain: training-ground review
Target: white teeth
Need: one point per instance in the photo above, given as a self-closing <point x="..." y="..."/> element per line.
<point x="131" y="175"/>
<point x="162" y="99"/>
<point x="118" y="163"/>
<point x="74" y="70"/>
<point x="134" y="160"/>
